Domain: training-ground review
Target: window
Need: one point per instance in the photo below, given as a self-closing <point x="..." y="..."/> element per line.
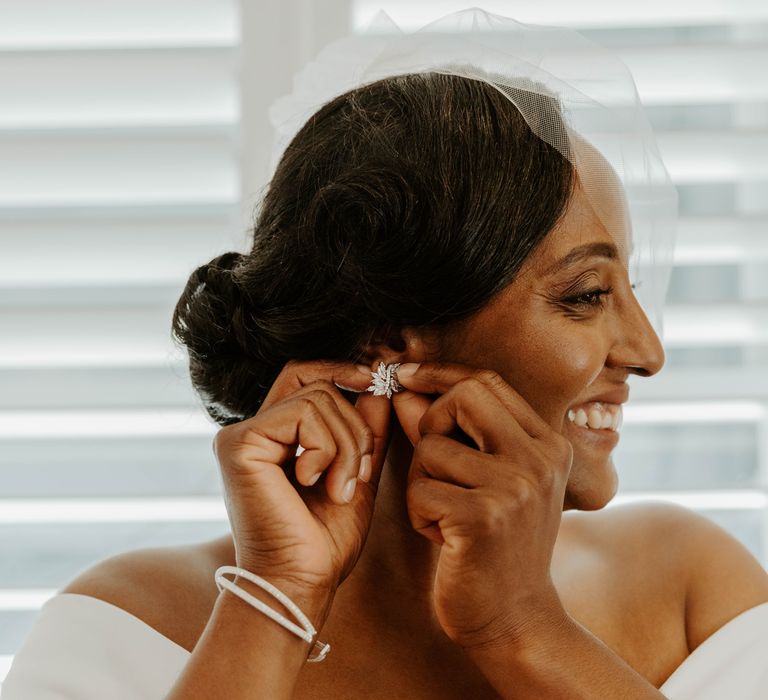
<point x="134" y="140"/>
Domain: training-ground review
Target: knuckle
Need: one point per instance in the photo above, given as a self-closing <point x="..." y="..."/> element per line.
<point x="319" y="397"/>
<point x="354" y="452"/>
<point x="427" y="443"/>
<point x="320" y="384"/>
<point x="546" y="479"/>
<point x="219" y="439"/>
<point x="310" y="401"/>
<point x="487" y="376"/>
<point x="523" y="493"/>
<point x="307" y="405"/>
<point x="366" y="436"/>
<point x="415" y="492"/>
<point x="494" y="515"/>
<point x="469" y="384"/>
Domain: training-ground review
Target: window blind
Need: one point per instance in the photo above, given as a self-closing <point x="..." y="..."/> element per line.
<point x="133" y="140"/>
<point x="119" y="135"/>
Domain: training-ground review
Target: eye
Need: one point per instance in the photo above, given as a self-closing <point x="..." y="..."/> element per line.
<point x="593" y="297"/>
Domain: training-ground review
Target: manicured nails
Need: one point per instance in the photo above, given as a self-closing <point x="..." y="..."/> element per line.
<point x="407" y="370"/>
<point x="365" y="468"/>
<point x="348" y="388"/>
<point x="365" y="369"/>
<point x="349" y="490"/>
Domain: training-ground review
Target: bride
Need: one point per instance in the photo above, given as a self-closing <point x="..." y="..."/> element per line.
<point x="449" y="540"/>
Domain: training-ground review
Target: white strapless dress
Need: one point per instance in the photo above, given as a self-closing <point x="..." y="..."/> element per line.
<point x="81" y="648"/>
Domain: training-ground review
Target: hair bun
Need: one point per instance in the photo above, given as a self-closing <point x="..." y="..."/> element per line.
<point x="219" y="279"/>
<point x="210" y="320"/>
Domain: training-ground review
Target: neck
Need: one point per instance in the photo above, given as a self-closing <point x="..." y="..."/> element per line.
<point x="393" y="578"/>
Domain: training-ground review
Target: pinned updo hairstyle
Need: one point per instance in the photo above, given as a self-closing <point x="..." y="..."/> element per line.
<point x="410" y="201"/>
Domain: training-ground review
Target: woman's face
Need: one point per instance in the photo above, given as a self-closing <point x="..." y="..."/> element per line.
<point x="566" y="334"/>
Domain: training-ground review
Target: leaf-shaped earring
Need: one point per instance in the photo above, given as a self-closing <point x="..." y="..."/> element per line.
<point x="385" y="380"/>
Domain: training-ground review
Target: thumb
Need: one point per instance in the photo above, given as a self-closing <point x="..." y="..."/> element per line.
<point x="409" y="407"/>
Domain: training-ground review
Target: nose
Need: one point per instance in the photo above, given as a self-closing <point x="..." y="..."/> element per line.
<point x="638" y="348"/>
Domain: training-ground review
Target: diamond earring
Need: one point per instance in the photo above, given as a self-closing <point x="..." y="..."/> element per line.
<point x="385" y="380"/>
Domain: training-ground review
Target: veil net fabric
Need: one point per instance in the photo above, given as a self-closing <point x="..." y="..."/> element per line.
<point x="599" y="123"/>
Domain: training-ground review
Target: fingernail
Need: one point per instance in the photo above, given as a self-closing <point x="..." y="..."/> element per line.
<point x="365" y="468"/>
<point x="348" y="388"/>
<point x="365" y="369"/>
<point x="407" y="370"/>
<point x="314" y="479"/>
<point x="349" y="490"/>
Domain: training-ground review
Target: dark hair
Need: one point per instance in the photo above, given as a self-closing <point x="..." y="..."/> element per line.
<point x="410" y="201"/>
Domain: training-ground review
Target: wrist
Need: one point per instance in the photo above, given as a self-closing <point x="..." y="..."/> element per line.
<point x="514" y="633"/>
<point x="314" y="600"/>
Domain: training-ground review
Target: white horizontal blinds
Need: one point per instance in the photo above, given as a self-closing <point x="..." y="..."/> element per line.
<point x="697" y="433"/>
<point x="119" y="173"/>
<point x="126" y="129"/>
<point x="588" y="14"/>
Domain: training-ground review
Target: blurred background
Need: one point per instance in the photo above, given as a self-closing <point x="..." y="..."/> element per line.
<point x="134" y="143"/>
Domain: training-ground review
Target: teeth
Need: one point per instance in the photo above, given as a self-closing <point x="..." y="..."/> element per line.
<point x="597" y="417"/>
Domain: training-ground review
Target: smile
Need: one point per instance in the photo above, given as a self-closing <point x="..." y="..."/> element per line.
<point x="597" y="416"/>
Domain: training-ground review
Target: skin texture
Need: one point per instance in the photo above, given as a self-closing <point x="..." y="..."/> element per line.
<point x="557" y="343"/>
<point x="552" y="340"/>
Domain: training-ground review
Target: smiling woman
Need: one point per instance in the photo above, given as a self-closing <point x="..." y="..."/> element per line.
<point x="446" y="218"/>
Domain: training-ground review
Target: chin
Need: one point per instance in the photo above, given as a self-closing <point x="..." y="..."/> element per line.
<point x="590" y="488"/>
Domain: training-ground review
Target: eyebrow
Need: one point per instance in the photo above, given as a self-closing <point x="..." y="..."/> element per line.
<point x="583" y="252"/>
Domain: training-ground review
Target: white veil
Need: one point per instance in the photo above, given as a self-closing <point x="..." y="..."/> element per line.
<point x="605" y="132"/>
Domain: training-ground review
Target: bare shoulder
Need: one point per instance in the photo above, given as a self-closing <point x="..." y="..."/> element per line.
<point x="169" y="588"/>
<point x="724" y="577"/>
<point x="720" y="577"/>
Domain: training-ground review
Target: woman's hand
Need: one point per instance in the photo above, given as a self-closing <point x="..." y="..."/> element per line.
<point x="495" y="509"/>
<point x="290" y="519"/>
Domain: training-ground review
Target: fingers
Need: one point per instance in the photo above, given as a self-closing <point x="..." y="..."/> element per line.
<point x="333" y="434"/>
<point x="410" y="407"/>
<point x="432" y="505"/>
<point x="440" y="457"/>
<point x="376" y="411"/>
<point x="339" y="455"/>
<point x="480" y="413"/>
<point x="440" y="377"/>
<point x="295" y="375"/>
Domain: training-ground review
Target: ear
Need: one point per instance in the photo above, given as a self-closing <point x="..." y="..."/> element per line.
<point x="407" y="345"/>
<point x="404" y="345"/>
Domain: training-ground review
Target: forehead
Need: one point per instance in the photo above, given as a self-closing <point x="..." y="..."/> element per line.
<point x="597" y="211"/>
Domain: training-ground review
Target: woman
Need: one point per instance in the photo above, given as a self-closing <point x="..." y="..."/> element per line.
<point x="418" y="219"/>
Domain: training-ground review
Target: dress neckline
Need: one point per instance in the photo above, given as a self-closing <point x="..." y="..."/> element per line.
<point x="698" y="651"/>
<point x="116" y="610"/>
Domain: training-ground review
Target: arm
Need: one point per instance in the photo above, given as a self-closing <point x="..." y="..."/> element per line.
<point x="720" y="579"/>
<point x="242" y="653"/>
<point x="561" y="661"/>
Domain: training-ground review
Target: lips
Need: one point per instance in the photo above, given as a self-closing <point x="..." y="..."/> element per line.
<point x="597" y="415"/>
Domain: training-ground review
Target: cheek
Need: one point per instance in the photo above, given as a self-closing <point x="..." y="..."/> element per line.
<point x="553" y="373"/>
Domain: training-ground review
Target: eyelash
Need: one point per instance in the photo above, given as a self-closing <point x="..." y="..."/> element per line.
<point x="593" y="298"/>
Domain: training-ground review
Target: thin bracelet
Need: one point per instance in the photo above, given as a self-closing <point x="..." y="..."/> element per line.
<point x="308" y="633"/>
